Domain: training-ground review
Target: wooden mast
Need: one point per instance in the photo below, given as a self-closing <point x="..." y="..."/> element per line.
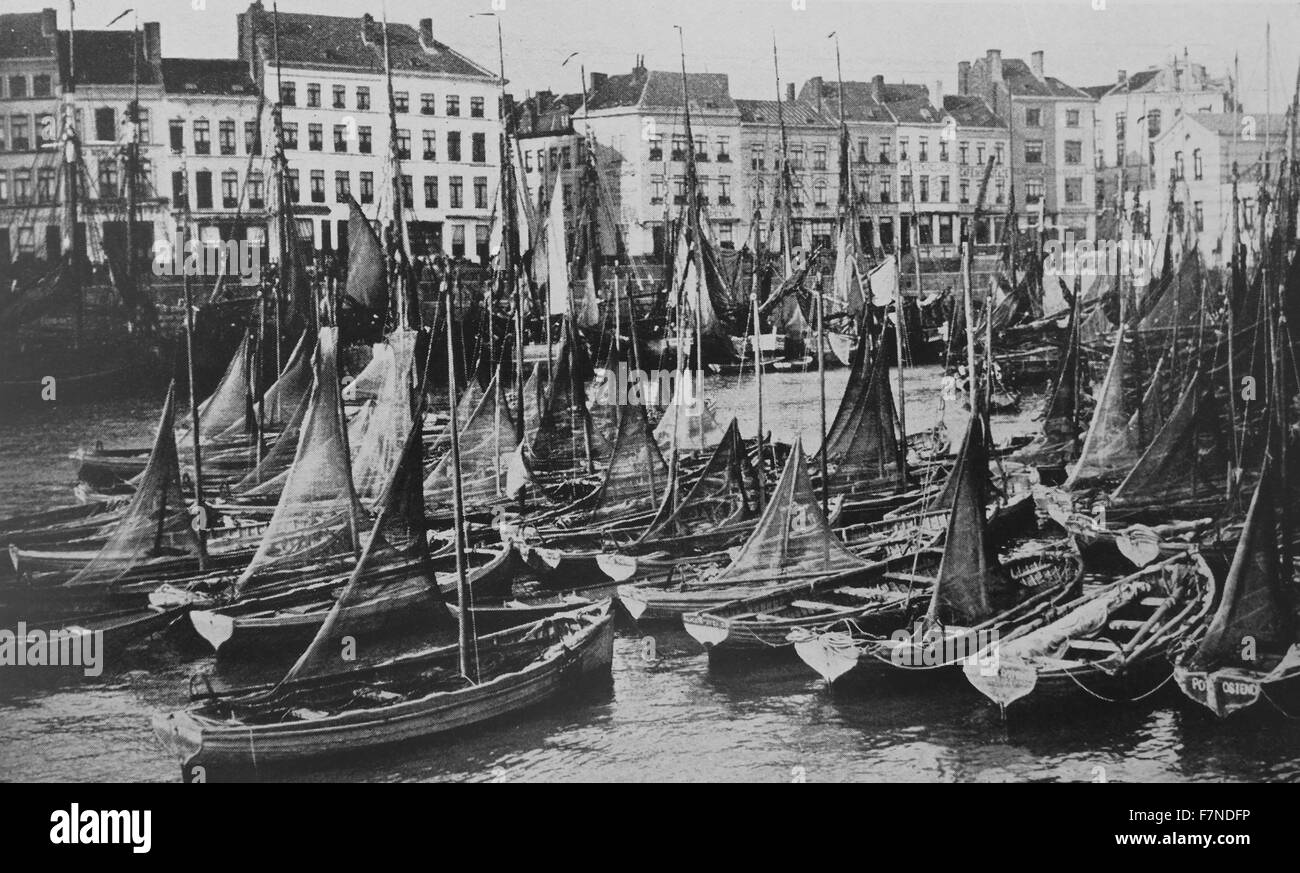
<point x="785" y="187"/>
<point x="195" y="437"/>
<point x="465" y="623"/>
<point x="401" y="231"/>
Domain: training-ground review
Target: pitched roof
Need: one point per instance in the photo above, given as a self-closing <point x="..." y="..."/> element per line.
<point x="1229" y="124"/>
<point x="916" y="111"/>
<point x="358" y="42"/>
<point x="103" y="57"/>
<point x="1022" y="82"/>
<point x="21" y="36"/>
<point x="859" y="102"/>
<point x="553" y="114"/>
<point x="657" y="89"/>
<point x="971" y="111"/>
<point x="794" y="113"/>
<point x="207" y="76"/>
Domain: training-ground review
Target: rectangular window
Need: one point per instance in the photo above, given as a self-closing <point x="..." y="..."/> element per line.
<point x="453" y="146"/>
<point x="429" y="142"/>
<point x="964" y="189"/>
<point x="105" y="126"/>
<point x="657" y="186"/>
<point x="944" y="189"/>
<point x="757" y="158"/>
<point x="428" y="105"/>
<point x="313" y="95"/>
<point x="905" y="188"/>
<point x="404" y="144"/>
<point x="943" y="149"/>
<point x="679" y="148"/>
<point x="885" y="193"/>
<point x="1153" y="123"/>
<point x="724" y="152"/>
<point x="256" y="190"/>
<point x="1073" y="190"/>
<point x="902" y="148"/>
<point x="925" y="189"/>
<point x="1073" y="151"/>
<point x="1121" y="125"/>
<point x="458" y="240"/>
<point x="1071" y="118"/>
<point x="476" y="107"/>
<point x="41" y="85"/>
<point x="401" y="101"/>
<point x="457" y="192"/>
<point x="1033" y="151"/>
<point x="453" y="105"/>
<point x="819" y="158"/>
<point x="367" y="179"/>
<point x="1033" y="190"/>
<point x="724" y="190"/>
<point x="1033" y="117"/>
<point x="226" y="136"/>
<point x="923" y="148"/>
<point x="229" y="189"/>
<point x="45" y="184"/>
<point x="796" y="157"/>
<point x="478" y="149"/>
<point x="431" y="192"/>
<point x="884" y="150"/>
<point x="340" y="96"/>
<point x="4" y="187"/>
<point x="315" y="137"/>
<point x="1198" y="165"/>
<point x="979" y="154"/>
<point x="342" y="186"/>
<point x="107" y="173"/>
<point x="963" y="149"/>
<point x="17" y="87"/>
<point x="480" y="192"/>
<point x="202" y="141"/>
<point x="317" y="186"/>
<point x="998" y="152"/>
<point x="1198" y="213"/>
<point x="203" y="189"/>
<point x="252" y="138"/>
<point x="340" y="138"/>
<point x="1178" y="170"/>
<point x="289" y="93"/>
<point x="295" y="189"/>
<point x="363" y="97"/>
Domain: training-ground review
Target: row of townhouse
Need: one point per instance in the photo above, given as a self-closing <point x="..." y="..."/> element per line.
<point x="918" y="157"/>
<point x="206" y="134"/>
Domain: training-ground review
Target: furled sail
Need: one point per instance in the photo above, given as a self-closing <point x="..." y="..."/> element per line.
<point x="792" y="540"/>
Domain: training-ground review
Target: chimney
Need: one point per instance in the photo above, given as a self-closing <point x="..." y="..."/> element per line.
<point x="814" y="89"/>
<point x="598" y="81"/>
<point x="1036" y="64"/>
<point x="936" y="97"/>
<point x="49" y="22"/>
<point x="368" y="28"/>
<point x="963" y="78"/>
<point x="426" y="33"/>
<point x="878" y="88"/>
<point x="789" y="92"/>
<point x="994" y="58"/>
<point x="152" y="41"/>
<point x="639" y="71"/>
<point x="1122" y="78"/>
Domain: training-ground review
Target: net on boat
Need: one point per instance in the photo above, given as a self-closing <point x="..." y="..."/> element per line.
<point x="792" y="540"/>
<point x="1059" y="440"/>
<point x="565" y="440"/>
<point x="690" y="416"/>
<point x="862" y="446"/>
<point x="380" y="446"/>
<point x="225" y="410"/>
<point x="1186" y="462"/>
<point x="970" y="587"/>
<point x="726" y="491"/>
<point x="282" y="399"/>
<point x="636" y="476"/>
<point x="1257" y="603"/>
<point x="487" y="442"/>
<point x="157" y="522"/>
<point x="318" y="516"/>
<point x="391" y="600"/>
<point x="698" y="285"/>
<point x="847" y="282"/>
<point x="267" y="478"/>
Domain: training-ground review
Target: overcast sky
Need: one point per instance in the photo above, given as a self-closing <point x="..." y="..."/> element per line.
<point x="905" y="41"/>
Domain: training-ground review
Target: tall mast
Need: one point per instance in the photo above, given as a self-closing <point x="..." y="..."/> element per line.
<point x="132" y="152"/>
<point x="401" y="230"/>
<point x="821" y="392"/>
<point x="784" y="186"/>
<point x="465" y="636"/>
<point x="693" y="213"/>
<point x="194" y="396"/>
<point x="285" y="234"/>
<point x="71" y="168"/>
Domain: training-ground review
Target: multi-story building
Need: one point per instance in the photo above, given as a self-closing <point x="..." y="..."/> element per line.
<point x="1194" y="157"/>
<point x="30" y="124"/>
<point x="333" y="96"/>
<point x="638" y="123"/>
<point x="1050" y="126"/>
<point x="978" y="134"/>
<point x="1133" y="111"/>
<point x="549" y="150"/>
<point x="812" y="141"/>
<point x="215" y="166"/>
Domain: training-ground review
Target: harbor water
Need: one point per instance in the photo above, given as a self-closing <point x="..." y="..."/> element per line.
<point x="667" y="716"/>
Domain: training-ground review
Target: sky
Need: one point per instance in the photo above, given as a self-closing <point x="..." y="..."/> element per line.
<point x="1085" y="41"/>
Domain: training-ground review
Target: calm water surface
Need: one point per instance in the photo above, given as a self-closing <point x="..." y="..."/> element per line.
<point x="671" y="719"/>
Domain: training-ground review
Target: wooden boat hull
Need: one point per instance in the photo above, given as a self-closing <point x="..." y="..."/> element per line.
<point x="1232" y="690"/>
<point x="277" y="622"/>
<point x="202" y="743"/>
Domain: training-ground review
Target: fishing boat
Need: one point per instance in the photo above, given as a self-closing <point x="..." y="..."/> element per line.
<point x="1111" y="644"/>
<point x="1250" y="650"/>
<point x="976" y="599"/>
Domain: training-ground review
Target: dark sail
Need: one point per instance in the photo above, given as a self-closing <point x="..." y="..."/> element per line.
<point x="970" y="582"/>
<point x="792" y="540"/>
<point x="636" y="475"/>
<point x="862" y="447"/>
<point x="366" y="292"/>
<point x="1256" y="605"/>
<point x="726" y="491"/>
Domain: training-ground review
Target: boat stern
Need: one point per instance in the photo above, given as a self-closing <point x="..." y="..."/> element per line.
<point x="708" y="630"/>
<point x="214" y="627"/>
<point x="831" y="655"/>
<point x="1221" y="692"/>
